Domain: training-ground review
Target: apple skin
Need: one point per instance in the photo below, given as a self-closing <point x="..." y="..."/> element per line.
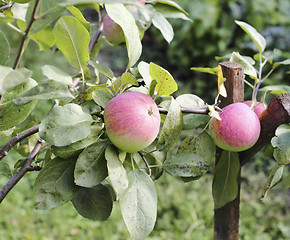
<point x="238" y="130"/>
<point x="112" y="31"/>
<point x="132" y="121"/>
<point x="258" y="107"/>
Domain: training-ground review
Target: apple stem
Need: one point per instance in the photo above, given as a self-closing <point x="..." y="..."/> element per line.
<point x="146" y="163"/>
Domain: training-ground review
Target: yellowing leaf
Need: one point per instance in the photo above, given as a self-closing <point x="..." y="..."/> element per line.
<point x="213" y="112"/>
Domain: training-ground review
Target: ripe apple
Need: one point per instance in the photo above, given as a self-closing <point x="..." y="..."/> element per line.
<point x="112" y="31"/>
<point x="238" y="129"/>
<point x="258" y="107"/>
<point x="132" y="121"/>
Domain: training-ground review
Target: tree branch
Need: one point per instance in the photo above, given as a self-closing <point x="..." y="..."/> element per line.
<point x="22" y="171"/>
<point x="28" y="28"/>
<point x="188" y="110"/>
<point x="5" y="7"/>
<point x="16" y="139"/>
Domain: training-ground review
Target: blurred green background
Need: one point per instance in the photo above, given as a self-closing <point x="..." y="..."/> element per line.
<point x="185" y="211"/>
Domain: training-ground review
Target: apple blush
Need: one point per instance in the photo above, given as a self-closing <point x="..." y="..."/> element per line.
<point x="238" y="129"/>
<point x="132" y="121"/>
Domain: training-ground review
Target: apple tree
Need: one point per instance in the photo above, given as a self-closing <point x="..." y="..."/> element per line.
<point x="108" y="137"/>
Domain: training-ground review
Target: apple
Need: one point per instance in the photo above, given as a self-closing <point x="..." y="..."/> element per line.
<point x="132" y="121"/>
<point x="238" y="129"/>
<point x="112" y="31"/>
<point x="258" y="107"/>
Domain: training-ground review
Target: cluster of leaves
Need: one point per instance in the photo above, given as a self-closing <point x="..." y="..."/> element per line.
<point x="78" y="163"/>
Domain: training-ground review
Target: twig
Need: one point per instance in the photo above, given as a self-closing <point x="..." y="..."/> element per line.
<point x="188" y="110"/>
<point x="146" y="163"/>
<point x="22" y="171"/>
<point x="16" y="139"/>
<point x="5" y="7"/>
<point x="28" y="28"/>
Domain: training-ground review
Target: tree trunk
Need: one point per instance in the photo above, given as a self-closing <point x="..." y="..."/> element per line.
<point x="226" y="218"/>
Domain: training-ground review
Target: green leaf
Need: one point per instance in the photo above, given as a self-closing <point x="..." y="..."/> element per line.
<point x="274" y="177"/>
<point x="200" y="144"/>
<point x="10" y="78"/>
<point x="276" y="89"/>
<point x="44" y="38"/>
<point x="190" y="101"/>
<point x="72" y="39"/>
<point x="193" y="121"/>
<point x="12" y="115"/>
<point x="91" y="166"/>
<point x="75" y="148"/>
<point x="79" y="16"/>
<point x="248" y="67"/>
<point x="166" y="84"/>
<point x="258" y="39"/>
<point x="281" y="144"/>
<point x="48" y="89"/>
<point x="66" y="3"/>
<point x="171" y="128"/>
<point x="65" y="125"/>
<point x="185" y="165"/>
<point x="143" y="69"/>
<point x="225" y="181"/>
<point x="119" y="14"/>
<point x="206" y="70"/>
<point x="94" y="203"/>
<point x="56" y="74"/>
<point x="160" y="22"/>
<point x="54" y="184"/>
<point x="171" y="4"/>
<point x="139" y="205"/>
<point x="171" y="11"/>
<point x="128" y="78"/>
<point x="152" y="88"/>
<point x="4" y="49"/>
<point x="107" y="72"/>
<point x="101" y="97"/>
<point x="117" y="172"/>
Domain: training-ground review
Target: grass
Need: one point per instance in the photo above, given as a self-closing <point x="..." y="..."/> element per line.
<point x="185" y="211"/>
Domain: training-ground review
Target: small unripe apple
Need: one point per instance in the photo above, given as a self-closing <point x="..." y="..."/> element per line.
<point x="112" y="31"/>
<point x="258" y="107"/>
<point x="132" y="121"/>
<point x="238" y="129"/>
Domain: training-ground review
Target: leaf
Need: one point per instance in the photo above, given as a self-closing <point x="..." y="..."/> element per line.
<point x="143" y="69"/>
<point x="72" y="39"/>
<point x="221" y="87"/>
<point x="193" y="121"/>
<point x="171" y="11"/>
<point x="91" y="166"/>
<point x="213" y="112"/>
<point x="101" y="97"/>
<point x="152" y="88"/>
<point x="258" y="39"/>
<point x="166" y="85"/>
<point x="75" y="148"/>
<point x="4" y="49"/>
<point x="161" y="23"/>
<point x="200" y="144"/>
<point x="128" y="78"/>
<point x="94" y="203"/>
<point x="79" y="16"/>
<point x="225" y="181"/>
<point x="56" y="74"/>
<point x="139" y="205"/>
<point x="65" y="125"/>
<point x="10" y="78"/>
<point x="274" y="177"/>
<point x="12" y="115"/>
<point x="44" y="38"/>
<point x="119" y="14"/>
<point x="190" y="101"/>
<point x="185" y="165"/>
<point x="54" y="184"/>
<point x="102" y="69"/>
<point x="116" y="171"/>
<point x="206" y="70"/>
<point x="171" y="4"/>
<point x="276" y="89"/>
<point x="48" y="89"/>
<point x="171" y="128"/>
<point x="281" y="144"/>
<point x="248" y="67"/>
